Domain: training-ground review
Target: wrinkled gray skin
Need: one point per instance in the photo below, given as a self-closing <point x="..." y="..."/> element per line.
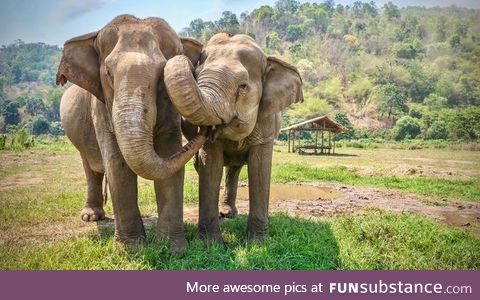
<point x="118" y="115"/>
<point x="241" y="91"/>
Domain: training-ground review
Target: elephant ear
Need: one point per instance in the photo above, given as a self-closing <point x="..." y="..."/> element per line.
<point x="80" y="64"/>
<point x="192" y="49"/>
<point x="282" y="86"/>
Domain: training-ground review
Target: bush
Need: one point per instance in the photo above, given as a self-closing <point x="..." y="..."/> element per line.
<point x="21" y="140"/>
<point x="342" y="119"/>
<point x="406" y="128"/>
<point x="40" y="125"/>
<point x="437" y="131"/>
<point x="56" y="128"/>
<point x="3" y="141"/>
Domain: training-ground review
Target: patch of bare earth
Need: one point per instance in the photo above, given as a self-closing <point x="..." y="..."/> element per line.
<point x="314" y="201"/>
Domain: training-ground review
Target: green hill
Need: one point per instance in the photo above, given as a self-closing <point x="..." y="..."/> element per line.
<point x="368" y="65"/>
<point x="374" y="64"/>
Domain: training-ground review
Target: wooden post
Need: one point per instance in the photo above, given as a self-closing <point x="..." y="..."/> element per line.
<point x="329" y="141"/>
<point x="323" y="130"/>
<point x="299" y="142"/>
<point x="316" y="141"/>
<point x="321" y="151"/>
<point x="334" y="143"/>
<point x="289" y="132"/>
<point x="293" y="142"/>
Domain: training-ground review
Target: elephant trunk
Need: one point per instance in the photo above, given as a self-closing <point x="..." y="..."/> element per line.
<point x="205" y="103"/>
<point x="134" y="116"/>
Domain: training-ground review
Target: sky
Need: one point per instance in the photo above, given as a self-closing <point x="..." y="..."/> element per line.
<point x="55" y="21"/>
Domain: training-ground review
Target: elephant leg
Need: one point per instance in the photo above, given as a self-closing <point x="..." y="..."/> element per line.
<point x="210" y="167"/>
<point x="228" y="208"/>
<point x="122" y="183"/>
<point x="259" y="172"/>
<point x="93" y="209"/>
<point x="169" y="194"/>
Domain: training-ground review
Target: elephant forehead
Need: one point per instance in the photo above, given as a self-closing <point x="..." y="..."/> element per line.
<point x="130" y="33"/>
<point x="242" y="51"/>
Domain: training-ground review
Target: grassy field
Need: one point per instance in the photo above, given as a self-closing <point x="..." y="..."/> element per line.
<point x="42" y="191"/>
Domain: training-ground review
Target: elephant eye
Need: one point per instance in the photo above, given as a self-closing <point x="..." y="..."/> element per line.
<point x="109" y="75"/>
<point x="242" y="90"/>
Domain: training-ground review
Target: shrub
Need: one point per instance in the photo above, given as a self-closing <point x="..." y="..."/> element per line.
<point x="56" y="128"/>
<point x="342" y="119"/>
<point x="406" y="128"/>
<point x="437" y="131"/>
<point x="40" y="125"/>
<point x="3" y="141"/>
<point x="22" y="140"/>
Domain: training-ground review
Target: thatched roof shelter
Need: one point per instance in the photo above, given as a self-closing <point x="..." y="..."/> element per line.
<point x="320" y="124"/>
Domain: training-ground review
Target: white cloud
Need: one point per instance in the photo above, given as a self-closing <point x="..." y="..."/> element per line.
<point x="71" y="9"/>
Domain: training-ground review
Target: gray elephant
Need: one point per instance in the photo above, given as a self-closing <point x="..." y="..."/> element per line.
<point x="118" y="115"/>
<point x="241" y="91"/>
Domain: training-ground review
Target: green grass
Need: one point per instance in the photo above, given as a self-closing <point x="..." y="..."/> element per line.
<point x="462" y="189"/>
<point x="44" y="188"/>
<point x="376" y="240"/>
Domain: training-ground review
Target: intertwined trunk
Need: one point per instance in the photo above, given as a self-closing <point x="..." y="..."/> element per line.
<point x="202" y="103"/>
<point x="134" y="116"/>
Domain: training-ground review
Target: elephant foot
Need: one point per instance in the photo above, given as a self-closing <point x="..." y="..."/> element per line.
<point x="177" y="243"/>
<point x="210" y="237"/>
<point x="228" y="211"/>
<point x="92" y="214"/>
<point x="257" y="237"/>
<point x="178" y="246"/>
<point x="131" y="243"/>
<point x="256" y="233"/>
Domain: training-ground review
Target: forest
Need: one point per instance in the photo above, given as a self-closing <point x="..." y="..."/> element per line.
<point x="385" y="72"/>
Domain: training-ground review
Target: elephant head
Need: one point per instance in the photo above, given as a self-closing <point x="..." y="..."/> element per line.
<point x="234" y="84"/>
<point x="122" y="65"/>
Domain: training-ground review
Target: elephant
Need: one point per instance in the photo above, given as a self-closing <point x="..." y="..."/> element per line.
<point x="241" y="91"/>
<point x="118" y="115"/>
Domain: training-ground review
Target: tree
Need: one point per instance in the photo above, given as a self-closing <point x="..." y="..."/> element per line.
<point x="228" y="22"/>
<point x="437" y="131"/>
<point x="262" y="13"/>
<point x="196" y="28"/>
<point x="11" y="114"/>
<point x="40" y="125"/>
<point x="287" y="6"/>
<point x="56" y="128"/>
<point x="272" y="41"/>
<point x="295" y="32"/>
<point x="391" y="11"/>
<point x="342" y="119"/>
<point x="406" y="128"/>
<point x="34" y="106"/>
<point x="408" y="50"/>
<point x="393" y="99"/>
<point x="52" y="100"/>
<point x="441" y="29"/>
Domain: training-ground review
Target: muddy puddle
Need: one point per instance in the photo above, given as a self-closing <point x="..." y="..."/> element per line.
<point x="466" y="219"/>
<point x="303" y="192"/>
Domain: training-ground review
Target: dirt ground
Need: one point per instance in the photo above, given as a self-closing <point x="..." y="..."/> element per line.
<point x="318" y="200"/>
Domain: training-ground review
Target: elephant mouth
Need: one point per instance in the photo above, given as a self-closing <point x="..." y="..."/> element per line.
<point x="215" y="132"/>
<point x="236" y="126"/>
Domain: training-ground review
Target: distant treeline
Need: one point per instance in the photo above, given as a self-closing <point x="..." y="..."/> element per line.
<point x="374" y="64"/>
<point x="379" y="67"/>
